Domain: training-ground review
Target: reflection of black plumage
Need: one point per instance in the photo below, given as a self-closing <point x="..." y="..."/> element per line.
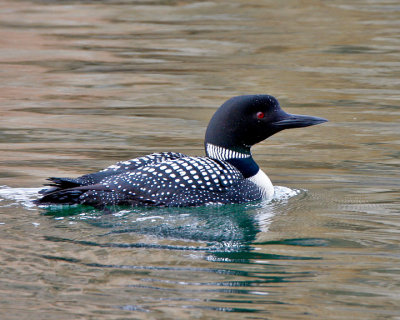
<point x="228" y="174"/>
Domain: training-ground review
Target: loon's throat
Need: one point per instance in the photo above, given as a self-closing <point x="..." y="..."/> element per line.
<point x="242" y="159"/>
<point x="222" y="153"/>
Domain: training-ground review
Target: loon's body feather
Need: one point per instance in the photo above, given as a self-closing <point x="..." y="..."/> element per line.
<point x="186" y="181"/>
<point x="113" y="170"/>
<point x="228" y="174"/>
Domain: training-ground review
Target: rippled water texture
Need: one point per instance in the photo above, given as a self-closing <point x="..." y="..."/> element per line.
<point x="84" y="84"/>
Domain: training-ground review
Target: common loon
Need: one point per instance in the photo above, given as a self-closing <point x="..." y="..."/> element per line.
<point x="228" y="174"/>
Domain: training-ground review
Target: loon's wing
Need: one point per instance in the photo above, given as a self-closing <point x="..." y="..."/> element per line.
<point x="119" y="167"/>
<point x="187" y="181"/>
<point x="136" y="163"/>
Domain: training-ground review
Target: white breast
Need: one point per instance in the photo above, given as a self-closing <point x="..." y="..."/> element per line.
<point x="264" y="183"/>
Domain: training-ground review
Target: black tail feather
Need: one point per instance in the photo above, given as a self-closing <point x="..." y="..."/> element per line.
<point x="63" y="183"/>
<point x="57" y="195"/>
<point x="68" y="196"/>
<point x="63" y="191"/>
<point x="58" y="184"/>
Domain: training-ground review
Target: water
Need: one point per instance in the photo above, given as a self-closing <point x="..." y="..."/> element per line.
<point x="84" y="84"/>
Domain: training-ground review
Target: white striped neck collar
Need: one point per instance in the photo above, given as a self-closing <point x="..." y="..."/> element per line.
<point x="221" y="153"/>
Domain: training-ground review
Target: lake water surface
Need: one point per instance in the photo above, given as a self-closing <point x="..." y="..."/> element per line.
<point x="84" y="84"/>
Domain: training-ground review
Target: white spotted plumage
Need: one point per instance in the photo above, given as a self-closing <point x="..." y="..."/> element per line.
<point x="202" y="180"/>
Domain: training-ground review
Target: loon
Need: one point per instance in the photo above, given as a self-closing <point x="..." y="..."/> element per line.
<point x="227" y="174"/>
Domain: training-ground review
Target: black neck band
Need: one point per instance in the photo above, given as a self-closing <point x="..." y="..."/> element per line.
<point x="247" y="166"/>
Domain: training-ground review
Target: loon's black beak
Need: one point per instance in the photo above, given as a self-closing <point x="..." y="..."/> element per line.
<point x="288" y="121"/>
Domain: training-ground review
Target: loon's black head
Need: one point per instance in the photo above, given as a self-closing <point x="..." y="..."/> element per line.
<point x="246" y="120"/>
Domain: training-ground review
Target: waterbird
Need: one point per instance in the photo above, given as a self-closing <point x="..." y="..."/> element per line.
<point x="227" y="174"/>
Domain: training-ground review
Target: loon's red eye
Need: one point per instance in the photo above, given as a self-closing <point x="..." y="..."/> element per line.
<point x="260" y="115"/>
